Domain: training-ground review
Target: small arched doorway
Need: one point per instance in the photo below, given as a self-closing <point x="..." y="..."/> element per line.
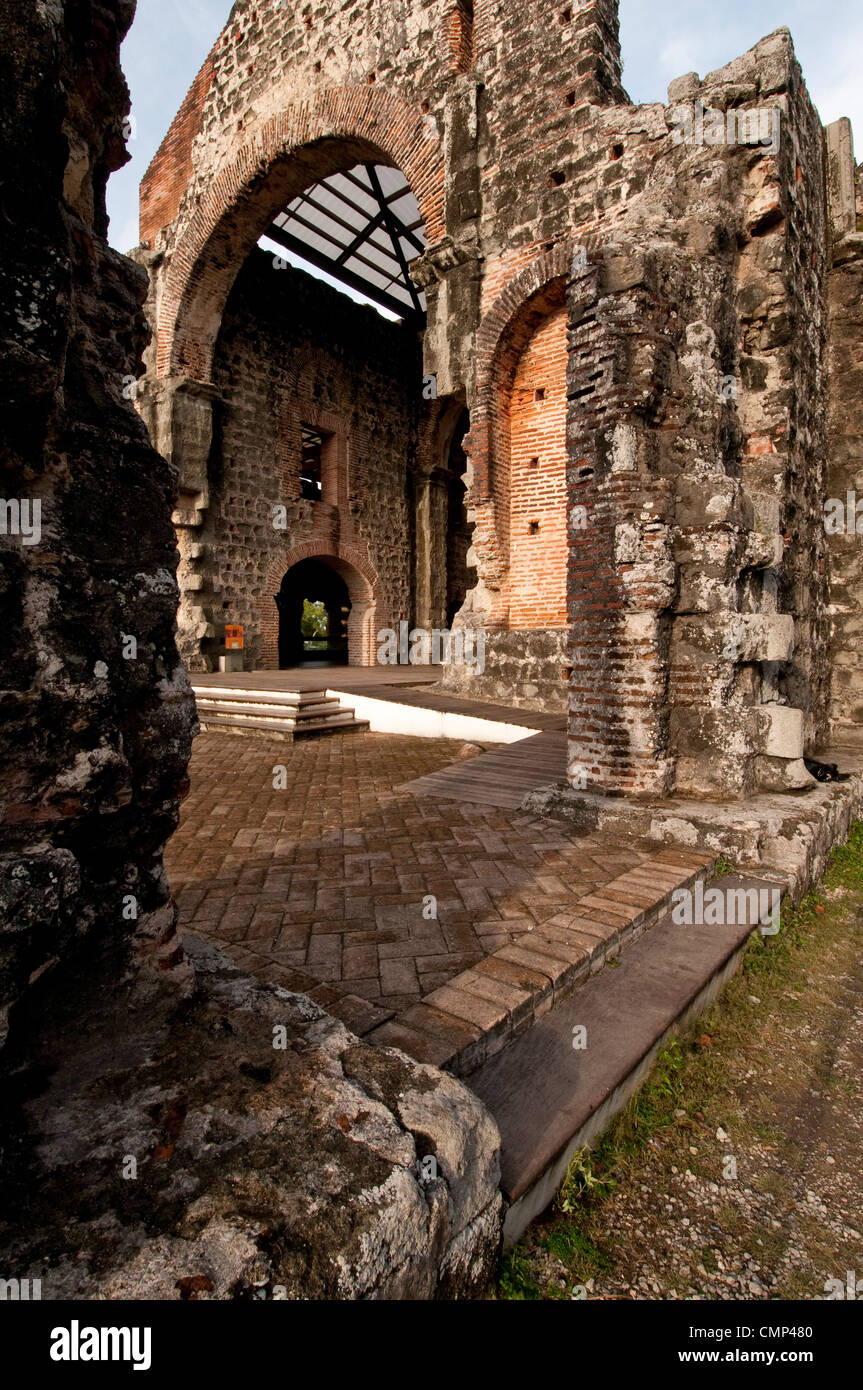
<point x="314" y="607"/>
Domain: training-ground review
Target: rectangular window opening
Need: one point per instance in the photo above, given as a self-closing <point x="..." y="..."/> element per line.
<point x="311" y="463"/>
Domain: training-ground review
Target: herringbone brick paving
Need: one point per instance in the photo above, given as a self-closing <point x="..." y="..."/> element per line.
<point x="323" y="883"/>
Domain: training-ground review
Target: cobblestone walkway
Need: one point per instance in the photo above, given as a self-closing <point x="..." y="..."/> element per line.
<point x="324" y="886"/>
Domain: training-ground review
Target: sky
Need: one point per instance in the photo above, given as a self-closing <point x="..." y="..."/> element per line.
<point x="661" y="39"/>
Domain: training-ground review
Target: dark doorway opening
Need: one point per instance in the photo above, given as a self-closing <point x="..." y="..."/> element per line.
<point x="314" y="606"/>
<point x="461" y="575"/>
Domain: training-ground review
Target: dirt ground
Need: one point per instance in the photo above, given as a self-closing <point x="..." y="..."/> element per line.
<point x="736" y="1172"/>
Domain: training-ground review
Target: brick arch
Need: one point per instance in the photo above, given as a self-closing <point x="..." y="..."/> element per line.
<point x="364" y="590"/>
<point x="506" y="329"/>
<point x="437" y="426"/>
<point x="302" y="143"/>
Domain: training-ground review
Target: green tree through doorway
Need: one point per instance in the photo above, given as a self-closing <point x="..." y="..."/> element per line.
<point x="314" y="625"/>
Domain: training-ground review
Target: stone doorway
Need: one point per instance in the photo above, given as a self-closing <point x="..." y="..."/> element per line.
<point x="314" y="607"/>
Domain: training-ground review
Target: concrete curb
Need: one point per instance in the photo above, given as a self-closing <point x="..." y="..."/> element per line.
<point x="550" y="1100"/>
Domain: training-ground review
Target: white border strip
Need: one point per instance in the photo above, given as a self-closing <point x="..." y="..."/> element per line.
<point x="391" y="717"/>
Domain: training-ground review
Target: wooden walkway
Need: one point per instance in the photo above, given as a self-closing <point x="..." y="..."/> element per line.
<point x="500" y="778"/>
<point x="431" y="697"/>
<point x="321" y="677"/>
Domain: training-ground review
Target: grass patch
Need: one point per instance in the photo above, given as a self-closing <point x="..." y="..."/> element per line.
<point x="517" y="1276"/>
<point x="723" y="867"/>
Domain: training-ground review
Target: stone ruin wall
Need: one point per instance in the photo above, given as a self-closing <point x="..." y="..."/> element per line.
<point x="111" y="1044"/>
<point x="706" y="522"/>
<point x="270" y="57"/>
<point x="699" y="596"/>
<point x="290" y="352"/>
<point x="94" y="743"/>
<point x="692" y="277"/>
<point x="845" y="470"/>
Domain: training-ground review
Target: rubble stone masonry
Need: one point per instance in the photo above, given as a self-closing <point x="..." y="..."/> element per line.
<point x="155" y="1143"/>
<point x="97" y="710"/>
<point x="646" y="311"/>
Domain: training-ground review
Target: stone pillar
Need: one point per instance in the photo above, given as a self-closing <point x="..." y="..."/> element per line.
<point x="598" y="67"/>
<point x="178" y="412"/>
<point x="841" y="178"/>
<point x="98" y="713"/>
<point x="621" y="571"/>
<point x="439" y="521"/>
<point x="422" y="551"/>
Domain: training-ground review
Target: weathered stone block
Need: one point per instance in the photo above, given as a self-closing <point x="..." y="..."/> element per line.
<point x="765" y="637"/>
<point x="841" y="177"/>
<point x="778" y="731"/>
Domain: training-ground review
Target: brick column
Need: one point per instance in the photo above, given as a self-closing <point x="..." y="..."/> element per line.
<point x="621" y="575"/>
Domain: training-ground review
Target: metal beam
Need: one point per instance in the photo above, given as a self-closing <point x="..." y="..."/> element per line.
<point x="393" y="229"/>
<point x="370" y="193"/>
<point x="328" y="236"/>
<point x="327" y="212"/>
<point x="339" y="272"/>
<point x="362" y="235"/>
<point x="406" y="231"/>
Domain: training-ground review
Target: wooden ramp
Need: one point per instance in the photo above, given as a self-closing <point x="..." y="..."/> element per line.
<point x="431" y="698"/>
<point x="502" y="777"/>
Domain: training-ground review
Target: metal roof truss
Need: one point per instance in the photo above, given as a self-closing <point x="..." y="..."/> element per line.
<point x="363" y="227"/>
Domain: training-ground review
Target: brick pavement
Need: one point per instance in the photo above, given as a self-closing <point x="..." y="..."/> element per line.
<point x="321" y="886"/>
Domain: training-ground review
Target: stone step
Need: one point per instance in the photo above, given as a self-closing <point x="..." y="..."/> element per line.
<point x="486" y="1008"/>
<point x="229" y="694"/>
<point x="253" y="728"/>
<point x="322" y="710"/>
<point x="281" y="714"/>
<point x="340" y="715"/>
<point x="290" y="713"/>
<point x="333" y="726"/>
<point x="289" y="721"/>
<point x="286" y="729"/>
<point x="551" y="1099"/>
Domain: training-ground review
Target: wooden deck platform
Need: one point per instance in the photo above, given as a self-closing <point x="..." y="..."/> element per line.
<point x="321" y="677"/>
<point x="502" y="777"/>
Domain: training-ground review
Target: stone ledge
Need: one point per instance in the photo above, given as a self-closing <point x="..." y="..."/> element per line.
<point x="485" y="1008"/>
<point x="550" y="1098"/>
<point x="784" y="835"/>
